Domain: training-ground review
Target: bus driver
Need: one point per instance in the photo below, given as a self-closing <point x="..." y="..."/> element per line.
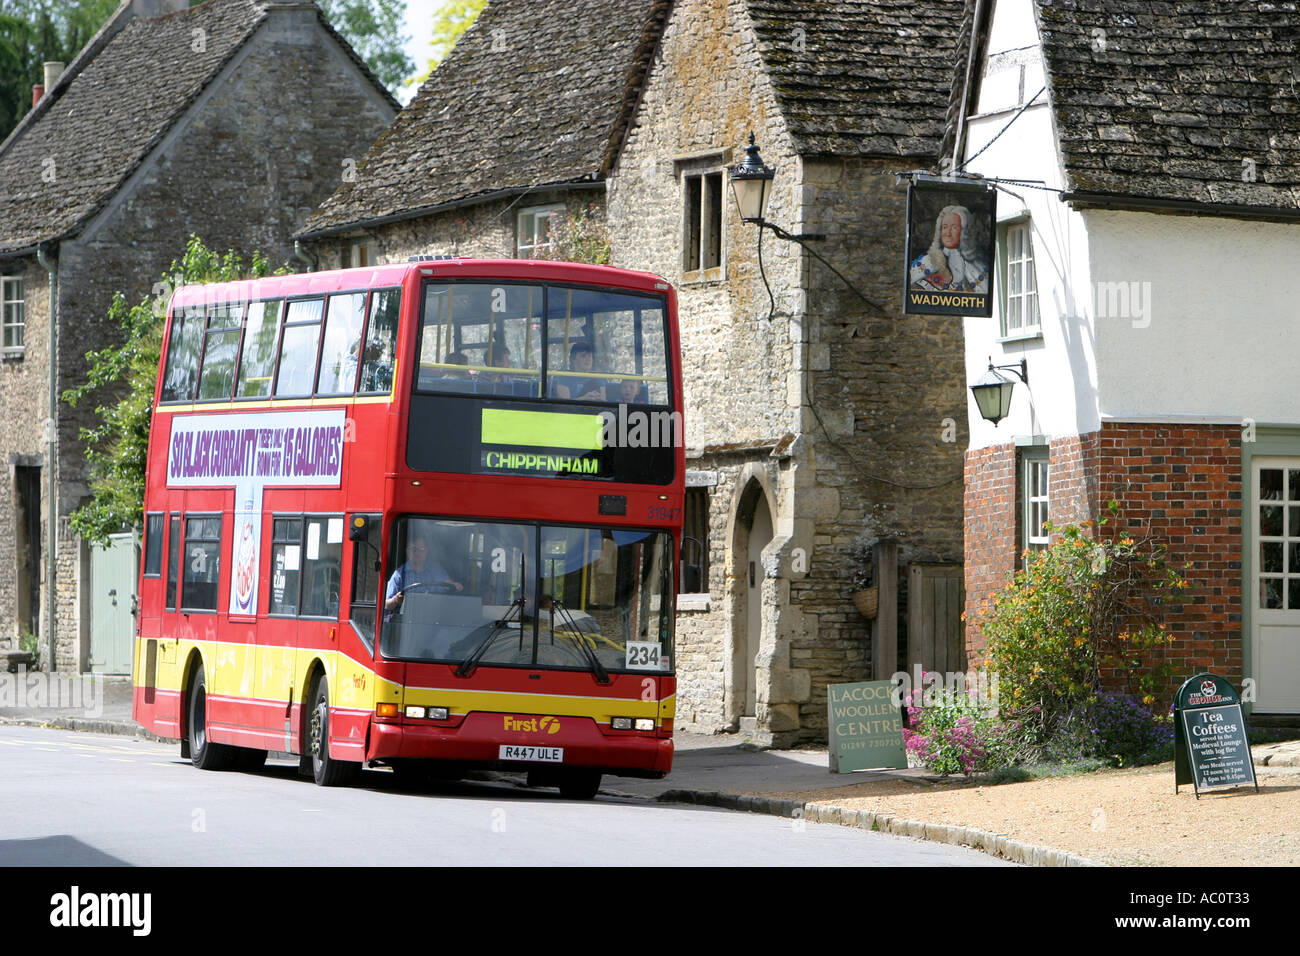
<point x="418" y="570"/>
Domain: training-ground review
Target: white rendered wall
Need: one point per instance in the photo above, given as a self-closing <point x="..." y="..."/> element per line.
<point x="1145" y="316"/>
<point x="1062" y="369"/>
<point x="1219" y="333"/>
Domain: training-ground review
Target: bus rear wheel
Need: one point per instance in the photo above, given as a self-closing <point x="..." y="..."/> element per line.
<point x="579" y="784"/>
<point x="325" y="770"/>
<point x="249" y="760"/>
<point x="204" y="754"/>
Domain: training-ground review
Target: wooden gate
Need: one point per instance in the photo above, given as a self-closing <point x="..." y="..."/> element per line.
<point x="935" y="599"/>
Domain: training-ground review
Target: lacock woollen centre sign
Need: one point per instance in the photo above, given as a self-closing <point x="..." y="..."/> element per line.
<point x="866" y="727"/>
<point x="1211" y="751"/>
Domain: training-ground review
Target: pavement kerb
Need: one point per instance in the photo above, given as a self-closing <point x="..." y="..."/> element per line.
<point x="89" y="725"/>
<point x="991" y="843"/>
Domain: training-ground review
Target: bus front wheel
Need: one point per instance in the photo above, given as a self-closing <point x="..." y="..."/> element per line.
<point x="579" y="784"/>
<point x="325" y="770"/>
<point x="204" y="754"/>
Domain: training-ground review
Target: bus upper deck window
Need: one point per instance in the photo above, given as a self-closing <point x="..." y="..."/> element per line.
<point x="257" y="362"/>
<point x="297" y="369"/>
<point x="182" y="373"/>
<point x="381" y="342"/>
<point x="342" y="344"/>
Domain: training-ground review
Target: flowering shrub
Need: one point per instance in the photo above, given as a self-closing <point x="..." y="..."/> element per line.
<point x="955" y="733"/>
<point x="1078" y="608"/>
<point x="1125" y="732"/>
<point x="580" y="236"/>
<point x="862" y="568"/>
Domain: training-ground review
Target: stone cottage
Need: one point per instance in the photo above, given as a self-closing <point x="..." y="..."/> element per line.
<point x="819" y="417"/>
<point x="1142" y="257"/>
<point x="232" y="120"/>
<point x="515" y="128"/>
<point x="818" y="420"/>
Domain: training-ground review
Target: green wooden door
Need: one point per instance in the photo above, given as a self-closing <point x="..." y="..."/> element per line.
<point x="113" y="574"/>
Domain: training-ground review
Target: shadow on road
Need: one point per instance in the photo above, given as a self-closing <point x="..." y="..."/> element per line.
<point x="54" y="851"/>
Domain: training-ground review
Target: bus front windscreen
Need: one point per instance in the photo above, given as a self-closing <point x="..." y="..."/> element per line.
<point x="596" y="346"/>
<point x="479" y="594"/>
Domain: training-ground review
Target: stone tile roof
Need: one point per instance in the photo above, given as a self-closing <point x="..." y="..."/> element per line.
<point x="115" y="102"/>
<point x="1168" y="99"/>
<point x="93" y="130"/>
<point x="528" y="97"/>
<point x="862" y="77"/>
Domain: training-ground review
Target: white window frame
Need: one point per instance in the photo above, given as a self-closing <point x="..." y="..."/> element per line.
<point x="1025" y="298"/>
<point x="361" y="254"/>
<point x="696" y="262"/>
<point x="540" y="218"/>
<point x="13" y="314"/>
<point x="1035" y="461"/>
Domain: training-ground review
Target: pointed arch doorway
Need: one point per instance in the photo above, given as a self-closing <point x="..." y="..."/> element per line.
<point x="752" y="532"/>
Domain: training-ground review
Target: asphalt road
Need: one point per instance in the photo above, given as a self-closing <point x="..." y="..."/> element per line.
<point x="76" y="799"/>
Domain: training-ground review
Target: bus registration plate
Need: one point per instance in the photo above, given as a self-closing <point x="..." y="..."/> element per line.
<point x="548" y="754"/>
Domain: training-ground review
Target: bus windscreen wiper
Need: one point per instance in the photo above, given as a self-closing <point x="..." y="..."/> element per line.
<point x="602" y="675"/>
<point x="466" y="667"/>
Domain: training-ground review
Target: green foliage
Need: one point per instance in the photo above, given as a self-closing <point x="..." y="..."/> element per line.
<point x="116" y="450"/>
<point x="1080" y="608"/>
<point x="454" y="17"/>
<point x="582" y="236"/>
<point x="374" y="28"/>
<point x="31" y="644"/>
<point x="33" y="31"/>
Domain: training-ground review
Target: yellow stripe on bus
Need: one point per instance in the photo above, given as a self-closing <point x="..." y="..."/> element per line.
<point x="282" y="671"/>
<point x="561" y="705"/>
<point x="506" y="426"/>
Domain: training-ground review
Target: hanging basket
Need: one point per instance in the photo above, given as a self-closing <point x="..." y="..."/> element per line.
<point x="867" y="601"/>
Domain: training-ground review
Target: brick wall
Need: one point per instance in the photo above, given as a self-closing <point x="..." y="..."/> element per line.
<point x="1074" y="479"/>
<point x="1179" y="485"/>
<point x="991" y="534"/>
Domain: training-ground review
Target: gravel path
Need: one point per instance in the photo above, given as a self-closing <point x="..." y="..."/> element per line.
<point x="1117" y="817"/>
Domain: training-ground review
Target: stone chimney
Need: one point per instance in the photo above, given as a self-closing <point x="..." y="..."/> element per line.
<point x="157" y="8"/>
<point x="53" y="70"/>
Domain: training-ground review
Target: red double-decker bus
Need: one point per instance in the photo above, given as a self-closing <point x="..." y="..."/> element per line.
<point x="423" y="516"/>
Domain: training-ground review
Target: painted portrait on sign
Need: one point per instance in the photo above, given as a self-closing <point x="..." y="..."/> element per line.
<point x="950" y="249"/>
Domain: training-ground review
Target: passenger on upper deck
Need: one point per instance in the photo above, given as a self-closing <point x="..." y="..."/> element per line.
<point x="581" y="359"/>
<point x="455" y="358"/>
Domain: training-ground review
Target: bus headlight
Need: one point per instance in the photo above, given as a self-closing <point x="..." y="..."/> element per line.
<point x="645" y="723"/>
<point x="413" y="711"/>
<point x="621" y="723"/>
<point x="437" y="713"/>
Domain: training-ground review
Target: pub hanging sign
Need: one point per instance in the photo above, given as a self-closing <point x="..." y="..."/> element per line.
<point x="951" y="228"/>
